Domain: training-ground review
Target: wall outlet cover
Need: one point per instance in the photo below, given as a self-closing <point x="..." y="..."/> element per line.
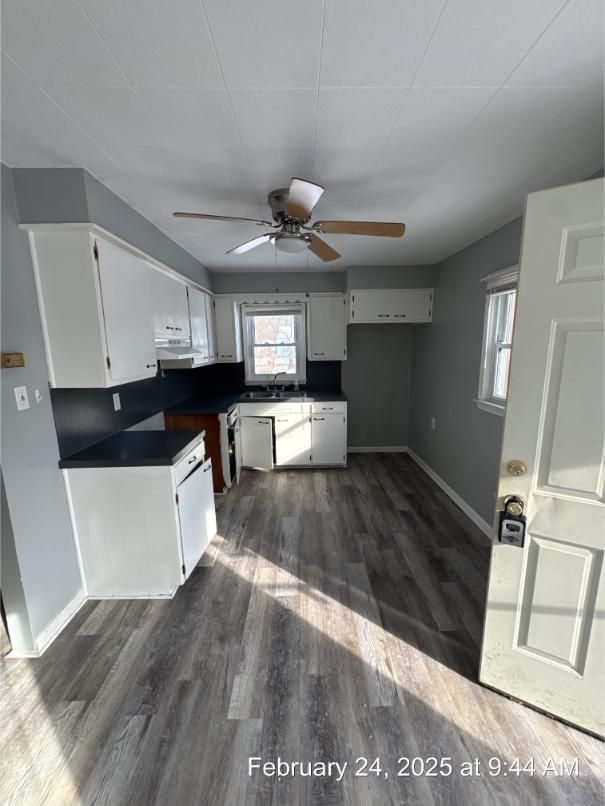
<point x="116" y="401"/>
<point x="21" y="398"/>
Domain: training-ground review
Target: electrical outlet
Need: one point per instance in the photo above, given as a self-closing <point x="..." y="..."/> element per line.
<point x="116" y="401"/>
<point x="21" y="398"/>
<point x="433" y="423"/>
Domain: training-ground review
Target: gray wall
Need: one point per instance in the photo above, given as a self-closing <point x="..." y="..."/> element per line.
<point x="376" y="379"/>
<point x="464" y="449"/>
<point x="37" y="503"/>
<point x="275" y="282"/>
<point x="72" y="195"/>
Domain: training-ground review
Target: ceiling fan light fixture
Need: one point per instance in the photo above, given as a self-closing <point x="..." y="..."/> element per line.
<point x="290" y="243"/>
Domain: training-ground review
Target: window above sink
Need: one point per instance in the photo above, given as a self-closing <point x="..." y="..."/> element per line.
<point x="274" y="343"/>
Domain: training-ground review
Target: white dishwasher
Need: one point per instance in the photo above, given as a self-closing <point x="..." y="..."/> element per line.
<point x="197" y="516"/>
<point x="256" y="436"/>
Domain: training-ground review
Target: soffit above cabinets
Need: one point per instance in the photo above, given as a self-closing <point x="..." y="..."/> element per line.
<point x="442" y="115"/>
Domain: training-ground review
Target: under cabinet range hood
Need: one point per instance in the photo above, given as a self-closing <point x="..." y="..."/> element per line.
<point x="172" y="356"/>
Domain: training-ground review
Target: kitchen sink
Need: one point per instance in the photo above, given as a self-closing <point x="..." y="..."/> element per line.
<point x="270" y="395"/>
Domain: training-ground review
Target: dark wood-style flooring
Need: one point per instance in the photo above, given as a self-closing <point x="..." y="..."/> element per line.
<point x="337" y="615"/>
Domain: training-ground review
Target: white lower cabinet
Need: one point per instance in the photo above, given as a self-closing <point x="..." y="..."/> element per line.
<point x="141" y="530"/>
<point x="256" y="436"/>
<point x="292" y="439"/>
<point x="328" y="439"/>
<point x="306" y="434"/>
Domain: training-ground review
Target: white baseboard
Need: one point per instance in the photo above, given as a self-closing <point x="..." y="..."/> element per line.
<point x="379" y="449"/>
<point x="45" y="638"/>
<point x="480" y="522"/>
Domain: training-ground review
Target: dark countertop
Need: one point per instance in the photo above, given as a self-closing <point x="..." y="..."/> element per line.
<point x="215" y="404"/>
<point x="135" y="449"/>
<point x="218" y="404"/>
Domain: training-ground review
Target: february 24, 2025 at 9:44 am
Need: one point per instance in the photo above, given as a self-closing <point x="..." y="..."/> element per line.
<point x="411" y="766"/>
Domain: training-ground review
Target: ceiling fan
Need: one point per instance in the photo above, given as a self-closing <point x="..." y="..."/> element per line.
<point x="291" y="209"/>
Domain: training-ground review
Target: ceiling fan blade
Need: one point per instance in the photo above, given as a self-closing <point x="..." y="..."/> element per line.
<point x="209" y="217"/>
<point x="245" y="247"/>
<point x="302" y="198"/>
<point x="389" y="230"/>
<point x="323" y="250"/>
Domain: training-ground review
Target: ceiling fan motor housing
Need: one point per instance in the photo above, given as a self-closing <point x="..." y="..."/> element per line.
<point x="278" y="201"/>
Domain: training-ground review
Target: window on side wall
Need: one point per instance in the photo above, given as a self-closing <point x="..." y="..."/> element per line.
<point x="274" y="343"/>
<point x="500" y="302"/>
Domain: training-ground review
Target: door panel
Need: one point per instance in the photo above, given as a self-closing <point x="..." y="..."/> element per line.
<point x="328" y="439"/>
<point x="543" y="633"/>
<point x="123" y="278"/>
<point x="256" y="442"/>
<point x="199" y="322"/>
<point x="197" y="515"/>
<point x="293" y="440"/>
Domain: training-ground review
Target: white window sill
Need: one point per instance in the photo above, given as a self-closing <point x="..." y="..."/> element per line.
<point x="492" y="408"/>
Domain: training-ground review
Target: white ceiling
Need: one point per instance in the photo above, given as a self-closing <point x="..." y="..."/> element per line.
<point x="439" y="113"/>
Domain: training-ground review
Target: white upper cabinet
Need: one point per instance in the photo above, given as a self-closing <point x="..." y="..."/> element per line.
<point x="201" y="325"/>
<point x="128" y="329"/>
<point x="98" y="327"/>
<point x="170" y="309"/>
<point x="228" y="331"/>
<point x="326" y="328"/>
<point x="391" y="305"/>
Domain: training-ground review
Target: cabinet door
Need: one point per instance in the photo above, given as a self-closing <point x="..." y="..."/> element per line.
<point x="292" y="439"/>
<point x="197" y="515"/>
<point x="127" y="317"/>
<point x="326" y="329"/>
<point x="329" y="439"/>
<point x="198" y="316"/>
<point x="170" y="308"/>
<point x="391" y="305"/>
<point x="256" y="442"/>
<point x="210" y="328"/>
<point x="228" y="331"/>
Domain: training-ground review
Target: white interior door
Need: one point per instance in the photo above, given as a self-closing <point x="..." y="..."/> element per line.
<point x="197" y="515"/>
<point x="543" y="635"/>
<point x="292" y="439"/>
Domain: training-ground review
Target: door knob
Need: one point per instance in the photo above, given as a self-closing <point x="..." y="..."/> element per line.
<point x="516" y="467"/>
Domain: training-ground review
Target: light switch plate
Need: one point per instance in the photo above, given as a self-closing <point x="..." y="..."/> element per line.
<point x="116" y="401"/>
<point x="21" y="398"/>
<point x="38" y="395"/>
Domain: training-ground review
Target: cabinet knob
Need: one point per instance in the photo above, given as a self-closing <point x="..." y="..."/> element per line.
<point x="192" y="460"/>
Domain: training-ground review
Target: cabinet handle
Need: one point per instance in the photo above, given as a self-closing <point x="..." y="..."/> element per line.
<point x="327" y="408"/>
<point x="281" y="421"/>
<point x="169" y="327"/>
<point x="149" y="366"/>
<point x="319" y="418"/>
<point x="192" y="460"/>
<point x="206" y="469"/>
<point x="399" y="315"/>
<point x="383" y="315"/>
<point x="318" y="353"/>
<point x="226" y="356"/>
<point x="178" y="328"/>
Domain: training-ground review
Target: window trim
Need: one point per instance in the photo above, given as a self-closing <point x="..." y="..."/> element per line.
<point x="497" y="283"/>
<point x="247" y="311"/>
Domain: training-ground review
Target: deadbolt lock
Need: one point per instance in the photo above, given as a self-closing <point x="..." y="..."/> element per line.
<point x="513" y="505"/>
<point x="516" y="467"/>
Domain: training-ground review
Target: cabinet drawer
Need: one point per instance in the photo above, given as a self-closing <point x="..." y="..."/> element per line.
<point x="337" y="407"/>
<point x="185" y="465"/>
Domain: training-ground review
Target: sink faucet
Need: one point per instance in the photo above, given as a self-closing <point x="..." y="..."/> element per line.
<point x="275" y="380"/>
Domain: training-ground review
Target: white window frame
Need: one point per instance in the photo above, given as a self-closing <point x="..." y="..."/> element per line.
<point x="497" y="284"/>
<point x="300" y="342"/>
